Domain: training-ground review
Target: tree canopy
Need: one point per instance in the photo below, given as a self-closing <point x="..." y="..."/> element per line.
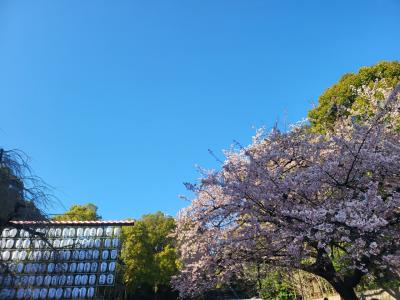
<point x="149" y="255"/>
<point x="87" y="212"/>
<point x="325" y="204"/>
<point x="343" y="98"/>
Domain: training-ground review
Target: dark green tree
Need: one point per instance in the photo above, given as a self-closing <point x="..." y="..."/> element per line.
<point x="87" y="212"/>
<point x="343" y="99"/>
<point x="150" y="257"/>
<point x="336" y="101"/>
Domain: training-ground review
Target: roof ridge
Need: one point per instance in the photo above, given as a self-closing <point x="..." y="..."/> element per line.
<point x="94" y="222"/>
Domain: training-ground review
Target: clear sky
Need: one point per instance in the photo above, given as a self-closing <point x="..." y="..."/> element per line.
<point x="117" y="101"/>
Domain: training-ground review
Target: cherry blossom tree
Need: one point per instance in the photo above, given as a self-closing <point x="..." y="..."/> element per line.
<point x="325" y="204"/>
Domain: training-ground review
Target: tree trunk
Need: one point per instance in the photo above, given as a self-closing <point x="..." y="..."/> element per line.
<point x="345" y="292"/>
<point x="344" y="285"/>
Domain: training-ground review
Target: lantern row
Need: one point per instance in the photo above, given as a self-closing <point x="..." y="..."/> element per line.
<point x="41" y="243"/>
<point x="71" y="232"/>
<point x="48" y="293"/>
<point x="50" y="268"/>
<point x="17" y="281"/>
<point x="67" y="255"/>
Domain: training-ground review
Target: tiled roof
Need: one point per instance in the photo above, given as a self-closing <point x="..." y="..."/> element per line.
<point x="76" y="223"/>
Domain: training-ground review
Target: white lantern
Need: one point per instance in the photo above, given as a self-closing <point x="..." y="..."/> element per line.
<point x="28" y="293"/>
<point x="89" y="254"/>
<point x="35" y="268"/>
<point x="84" y="243"/>
<point x="37" y="255"/>
<point x="103" y="267"/>
<point x="75" y="293"/>
<point x="75" y="255"/>
<point x="92" y="279"/>
<point x="104" y="254"/>
<point x="20" y="293"/>
<point x="36" y="293"/>
<point x="62" y="280"/>
<point x="79" y="232"/>
<point x="87" y="232"/>
<point x="26" y="234"/>
<point x="43" y="293"/>
<point x="46" y="255"/>
<point x="84" y="279"/>
<point x="50" y="267"/>
<point x="52" y="293"/>
<point x="39" y="280"/>
<point x="117" y="231"/>
<point x="13" y="232"/>
<point x="93" y="232"/>
<point x="87" y="267"/>
<point x="72" y="232"/>
<point x="26" y="243"/>
<point x="77" y="280"/>
<point x="28" y="268"/>
<point x="58" y="232"/>
<point x="114" y="254"/>
<point x="90" y="293"/>
<point x="9" y="244"/>
<point x="47" y="280"/>
<point x="111" y="266"/>
<point x="81" y="267"/>
<point x="67" y="293"/>
<point x="72" y="267"/>
<point x="99" y="232"/>
<point x="51" y="233"/>
<point x="65" y="232"/>
<point x="82" y="255"/>
<point x="110" y="279"/>
<point x="56" y="243"/>
<point x="7" y="280"/>
<point x="5" y="233"/>
<point x="15" y="255"/>
<point x="22" y="255"/>
<point x="96" y="254"/>
<point x="42" y="268"/>
<point x="6" y="255"/>
<point x="59" y="293"/>
<point x="64" y="267"/>
<point x="109" y="231"/>
<point x="18" y="244"/>
<point x="93" y="267"/>
<point x="54" y="280"/>
<point x="58" y="267"/>
<point x="67" y="255"/>
<point x="91" y="243"/>
<point x="82" y="293"/>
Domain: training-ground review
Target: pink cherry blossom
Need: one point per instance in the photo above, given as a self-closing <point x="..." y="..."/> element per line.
<point x="296" y="199"/>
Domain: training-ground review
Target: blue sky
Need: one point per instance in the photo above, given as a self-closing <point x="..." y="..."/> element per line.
<point x="117" y="101"/>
